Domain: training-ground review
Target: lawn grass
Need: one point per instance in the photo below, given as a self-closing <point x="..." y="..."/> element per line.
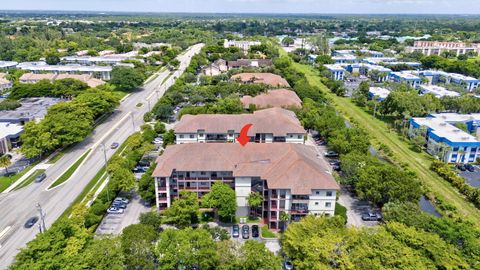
<point x="66" y="175"/>
<point x="5" y="181"/>
<point x="27" y="181"/>
<point x="266" y="233"/>
<point x="381" y="133"/>
<point x="91" y="187"/>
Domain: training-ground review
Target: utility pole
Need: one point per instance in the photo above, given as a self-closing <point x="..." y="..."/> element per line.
<point x="41" y="226"/>
<point x="106" y="171"/>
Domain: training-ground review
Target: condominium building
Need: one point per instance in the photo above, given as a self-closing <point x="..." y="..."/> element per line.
<point x="282" y="98"/>
<point x="438" y="76"/>
<point x="337" y="72"/>
<point x="36" y="77"/>
<point x="446" y="141"/>
<point x="290" y="177"/>
<point x="378" y="93"/>
<point x="436" y="90"/>
<point x="438" y="47"/>
<point x="406" y="77"/>
<point x="102" y="72"/>
<point x="269" y="126"/>
<point x="252" y="63"/>
<point x="376" y="72"/>
<point x="244" y="45"/>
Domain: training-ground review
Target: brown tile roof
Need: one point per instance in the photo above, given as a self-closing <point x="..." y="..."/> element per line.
<point x="273" y="98"/>
<point x="273" y="120"/>
<point x="88" y="79"/>
<point x="283" y="166"/>
<point x="37" y="77"/>
<point x="265" y="78"/>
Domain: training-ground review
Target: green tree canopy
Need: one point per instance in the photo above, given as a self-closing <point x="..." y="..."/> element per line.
<point x="221" y="197"/>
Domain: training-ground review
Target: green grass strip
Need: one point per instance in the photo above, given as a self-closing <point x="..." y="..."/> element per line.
<point x="92" y="186"/>
<point x="266" y="233"/>
<point x="29" y="179"/>
<point x="381" y="133"/>
<point x="56" y="158"/>
<point x="66" y="175"/>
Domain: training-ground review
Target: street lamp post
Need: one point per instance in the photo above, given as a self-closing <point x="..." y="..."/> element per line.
<point x="106" y="171"/>
<point x="41" y="226"/>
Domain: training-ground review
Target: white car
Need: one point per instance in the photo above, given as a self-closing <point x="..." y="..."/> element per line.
<point x="114" y="210"/>
<point x="121" y="199"/>
<point x="158" y="141"/>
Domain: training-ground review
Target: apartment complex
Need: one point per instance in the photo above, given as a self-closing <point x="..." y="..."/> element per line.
<point x="445" y="140"/>
<point x="438" y="47"/>
<point x="269" y="126"/>
<point x="244" y="45"/>
<point x="86" y="78"/>
<point x="281" y="98"/>
<point x="290" y="177"/>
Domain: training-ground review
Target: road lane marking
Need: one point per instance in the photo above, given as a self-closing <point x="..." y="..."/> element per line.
<point x="4" y="232"/>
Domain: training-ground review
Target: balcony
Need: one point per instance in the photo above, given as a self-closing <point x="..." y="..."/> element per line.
<point x="162" y="189"/>
<point x="193" y="189"/>
<point x="162" y="200"/>
<point x="297" y="201"/>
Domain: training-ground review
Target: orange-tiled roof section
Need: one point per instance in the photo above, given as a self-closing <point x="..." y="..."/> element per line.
<point x="283" y="98"/>
<point x="278" y="121"/>
<point x="265" y="78"/>
<point x="284" y="166"/>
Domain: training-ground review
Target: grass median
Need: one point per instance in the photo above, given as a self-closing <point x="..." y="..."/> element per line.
<point x="381" y="133"/>
<point x="6" y="181"/>
<point x="68" y="173"/>
<point x="27" y="181"/>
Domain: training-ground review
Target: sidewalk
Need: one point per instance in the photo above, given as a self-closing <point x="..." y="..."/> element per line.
<point x="40" y="166"/>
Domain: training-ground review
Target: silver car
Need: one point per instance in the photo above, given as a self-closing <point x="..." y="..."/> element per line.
<point x="114" y="210"/>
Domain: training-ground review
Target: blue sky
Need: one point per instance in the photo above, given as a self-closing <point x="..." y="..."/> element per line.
<point x="255" y="6"/>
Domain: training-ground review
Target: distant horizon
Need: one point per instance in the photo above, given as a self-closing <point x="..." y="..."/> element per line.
<point x="314" y="7"/>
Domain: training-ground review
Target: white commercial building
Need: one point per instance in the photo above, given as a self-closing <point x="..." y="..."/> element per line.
<point x="9" y="136"/>
<point x="436" y="90"/>
<point x="241" y="44"/>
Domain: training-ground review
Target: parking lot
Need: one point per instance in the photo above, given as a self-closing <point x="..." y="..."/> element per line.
<point x="472" y="178"/>
<point x="115" y="223"/>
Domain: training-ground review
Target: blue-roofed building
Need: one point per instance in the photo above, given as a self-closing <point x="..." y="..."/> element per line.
<point x="382" y="74"/>
<point x="406" y="77"/>
<point x="312" y="57"/>
<point x="345" y="59"/>
<point x="438" y="76"/>
<point x="337" y="72"/>
<point x="378" y="93"/>
<point x="446" y="141"/>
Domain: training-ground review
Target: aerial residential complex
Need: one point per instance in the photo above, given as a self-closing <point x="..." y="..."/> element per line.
<point x="282" y="98"/>
<point x="447" y="141"/>
<point x="261" y="78"/>
<point x="36" y="77"/>
<point x="290" y="177"/>
<point x="269" y="126"/>
<point x="438" y="47"/>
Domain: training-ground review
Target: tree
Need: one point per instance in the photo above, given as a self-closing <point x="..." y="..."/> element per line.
<point x="348" y="140"/>
<point x="52" y="57"/>
<point x="5" y="162"/>
<point x="168" y="138"/>
<point x="361" y="95"/>
<point x="222" y="198"/>
<point x="137" y="246"/>
<point x="255" y="256"/>
<point x="287" y="41"/>
<point x="159" y="128"/>
<point x="126" y="79"/>
<point x="104" y="254"/>
<point x="184" y="210"/>
<point x="186" y="248"/>
<point x="254" y="200"/>
<point x="152" y="218"/>
<point x="146" y="186"/>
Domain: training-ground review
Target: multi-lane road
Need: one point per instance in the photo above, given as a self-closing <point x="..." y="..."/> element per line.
<point x="17" y="206"/>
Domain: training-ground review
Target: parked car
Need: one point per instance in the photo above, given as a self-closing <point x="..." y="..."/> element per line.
<point x="121" y="199"/>
<point x="114" y="210"/>
<point x="40" y="177"/>
<point x="255" y="231"/>
<point x="114" y="145"/>
<point x="371" y="216"/>
<point x="119" y="205"/>
<point x="30" y="222"/>
<point x="469" y="167"/>
<point x="235" y="231"/>
<point x="331" y="154"/>
<point x="287" y="264"/>
<point x="245" y="232"/>
<point x="158" y="140"/>
<point x="140" y="169"/>
<point x="461" y="167"/>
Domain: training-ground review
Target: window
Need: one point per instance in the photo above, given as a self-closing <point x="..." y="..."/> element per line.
<point x="300" y="136"/>
<point x="317" y="192"/>
<point x="203" y="173"/>
<point x="316" y="203"/>
<point x="329" y="194"/>
<point x="192" y="136"/>
<point x="200" y="135"/>
<point x="181" y="136"/>
<point x="328" y="204"/>
<point x="455" y="149"/>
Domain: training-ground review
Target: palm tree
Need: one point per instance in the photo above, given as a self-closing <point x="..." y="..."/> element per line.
<point x="284" y="219"/>
<point x="254" y="200"/>
<point x="5" y="161"/>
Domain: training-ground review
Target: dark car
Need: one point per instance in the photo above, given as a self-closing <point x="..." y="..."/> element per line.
<point x="30" y="222"/>
<point x="255" y="231"/>
<point x="245" y="232"/>
<point x="461" y="167"/>
<point x="40" y="178"/>
<point x="370" y="216"/>
<point x="235" y="231"/>
<point x="114" y="145"/>
<point x="287" y="264"/>
<point x="469" y="167"/>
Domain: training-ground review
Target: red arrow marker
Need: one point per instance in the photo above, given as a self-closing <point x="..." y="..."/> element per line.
<point x="243" y="139"/>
